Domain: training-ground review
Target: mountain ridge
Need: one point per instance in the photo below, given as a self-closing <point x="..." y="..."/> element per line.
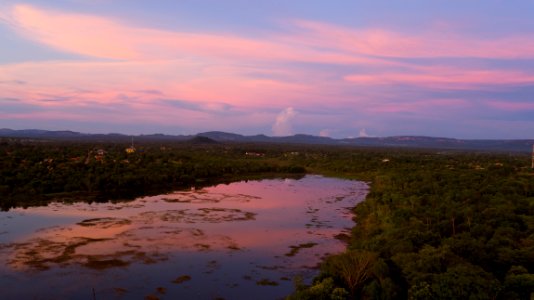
<point x="404" y="141"/>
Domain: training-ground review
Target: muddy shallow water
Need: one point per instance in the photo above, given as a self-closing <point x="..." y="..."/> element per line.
<point x="237" y="241"/>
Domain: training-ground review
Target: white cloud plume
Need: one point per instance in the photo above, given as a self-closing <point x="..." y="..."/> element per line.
<point x="283" y="124"/>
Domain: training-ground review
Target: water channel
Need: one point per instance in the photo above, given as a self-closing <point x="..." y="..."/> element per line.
<point x="230" y="241"/>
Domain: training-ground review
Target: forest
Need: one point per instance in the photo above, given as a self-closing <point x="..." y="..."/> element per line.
<point x="435" y="224"/>
<point x="36" y="172"/>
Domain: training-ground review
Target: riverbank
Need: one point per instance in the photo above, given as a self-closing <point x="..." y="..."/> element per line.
<point x="437" y="227"/>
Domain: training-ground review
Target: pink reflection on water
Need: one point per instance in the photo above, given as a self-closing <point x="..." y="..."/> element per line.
<point x="257" y="229"/>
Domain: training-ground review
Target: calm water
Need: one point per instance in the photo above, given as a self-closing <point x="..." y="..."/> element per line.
<point x="236" y="241"/>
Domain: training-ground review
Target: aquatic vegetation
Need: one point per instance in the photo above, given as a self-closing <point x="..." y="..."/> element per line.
<point x="295" y="249"/>
<point x="267" y="282"/>
<point x="199" y="215"/>
<point x="105" y="222"/>
<point x="181" y="279"/>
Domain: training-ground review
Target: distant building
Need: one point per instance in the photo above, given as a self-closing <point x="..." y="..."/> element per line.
<point x="131" y="149"/>
<point x="257" y="154"/>
<point x="100" y="155"/>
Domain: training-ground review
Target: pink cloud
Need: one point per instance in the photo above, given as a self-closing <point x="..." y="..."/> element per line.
<point x="82" y="34"/>
<point x="44" y="115"/>
<point x="385" y="43"/>
<point x="444" y="77"/>
<point x="100" y="82"/>
<point x="418" y="106"/>
<point x="211" y="67"/>
<point x="106" y="38"/>
<point x="511" y="106"/>
<point x="306" y="41"/>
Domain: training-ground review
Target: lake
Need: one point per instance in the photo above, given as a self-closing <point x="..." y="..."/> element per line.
<point x="242" y="240"/>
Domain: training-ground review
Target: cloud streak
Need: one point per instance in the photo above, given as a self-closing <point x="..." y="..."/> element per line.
<point x="386" y="43"/>
<point x="445" y="77"/>
<point x="106" y="38"/>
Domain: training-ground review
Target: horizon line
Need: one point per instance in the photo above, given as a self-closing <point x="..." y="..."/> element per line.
<point x="270" y="136"/>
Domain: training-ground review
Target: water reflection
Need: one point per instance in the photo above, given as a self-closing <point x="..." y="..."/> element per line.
<point x="228" y="241"/>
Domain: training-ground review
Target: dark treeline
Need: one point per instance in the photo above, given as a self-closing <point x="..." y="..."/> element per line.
<point x="36" y="172"/>
<point x="435" y="225"/>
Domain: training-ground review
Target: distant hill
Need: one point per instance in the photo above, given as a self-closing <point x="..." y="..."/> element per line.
<point x="35" y="133"/>
<point x="524" y="145"/>
<point x="202" y="140"/>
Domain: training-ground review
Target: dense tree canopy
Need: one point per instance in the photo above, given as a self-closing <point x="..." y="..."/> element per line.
<point x="33" y="172"/>
<point x="435" y="226"/>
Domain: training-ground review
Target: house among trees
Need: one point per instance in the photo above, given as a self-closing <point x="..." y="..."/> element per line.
<point x="256" y="154"/>
<point x="100" y="155"/>
<point x="131" y="149"/>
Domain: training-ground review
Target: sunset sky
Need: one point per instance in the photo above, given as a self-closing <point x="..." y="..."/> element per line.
<point x="346" y="68"/>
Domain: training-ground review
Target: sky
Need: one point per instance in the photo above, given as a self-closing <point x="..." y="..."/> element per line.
<point x="345" y="68"/>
